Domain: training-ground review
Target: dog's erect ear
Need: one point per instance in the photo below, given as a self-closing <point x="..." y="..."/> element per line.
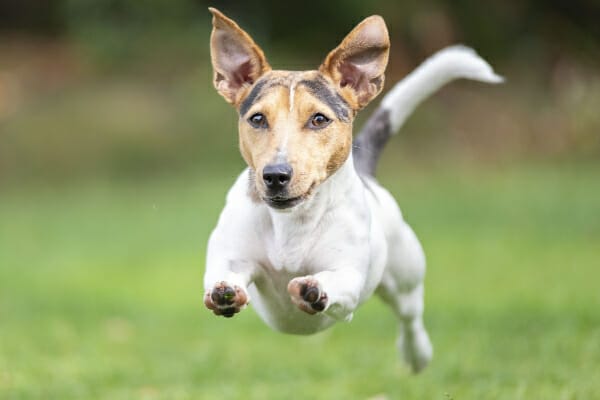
<point x="358" y="64"/>
<point x="237" y="61"/>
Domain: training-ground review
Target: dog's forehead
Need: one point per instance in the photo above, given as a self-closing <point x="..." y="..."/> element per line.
<point x="312" y="82"/>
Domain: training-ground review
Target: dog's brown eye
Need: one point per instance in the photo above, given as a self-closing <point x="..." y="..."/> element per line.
<point x="258" y="121"/>
<point x="318" y="121"/>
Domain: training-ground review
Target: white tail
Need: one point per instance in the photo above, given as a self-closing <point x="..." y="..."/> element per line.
<point x="451" y="63"/>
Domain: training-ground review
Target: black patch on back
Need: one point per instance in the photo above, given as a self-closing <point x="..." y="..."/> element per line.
<point x="368" y="145"/>
<point x="320" y="89"/>
<point x="254" y="95"/>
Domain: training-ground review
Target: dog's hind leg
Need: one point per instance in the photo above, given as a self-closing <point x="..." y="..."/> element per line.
<point x="413" y="341"/>
<point x="402" y="288"/>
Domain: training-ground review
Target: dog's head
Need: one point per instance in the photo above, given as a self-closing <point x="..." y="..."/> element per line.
<point x="295" y="127"/>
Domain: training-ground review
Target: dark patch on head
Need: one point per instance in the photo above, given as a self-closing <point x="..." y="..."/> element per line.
<point x="319" y="88"/>
<point x="258" y="91"/>
<point x="254" y="95"/>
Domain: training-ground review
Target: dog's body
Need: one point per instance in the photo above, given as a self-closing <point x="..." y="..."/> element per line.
<point x="317" y="235"/>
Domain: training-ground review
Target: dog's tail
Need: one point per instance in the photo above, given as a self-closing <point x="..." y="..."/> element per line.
<point x="443" y="67"/>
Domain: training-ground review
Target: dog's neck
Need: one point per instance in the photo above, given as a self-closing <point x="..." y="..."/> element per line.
<point x="306" y="218"/>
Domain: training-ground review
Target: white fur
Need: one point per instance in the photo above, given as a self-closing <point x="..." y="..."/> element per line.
<point x="350" y="235"/>
<point x="292" y="93"/>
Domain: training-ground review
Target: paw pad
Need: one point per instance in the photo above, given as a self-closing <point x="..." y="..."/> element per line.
<point x="306" y="293"/>
<point x="225" y="300"/>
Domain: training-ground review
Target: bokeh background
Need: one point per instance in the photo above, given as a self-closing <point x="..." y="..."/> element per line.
<point x="116" y="154"/>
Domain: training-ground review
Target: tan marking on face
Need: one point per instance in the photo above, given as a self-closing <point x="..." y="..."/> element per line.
<point x="313" y="154"/>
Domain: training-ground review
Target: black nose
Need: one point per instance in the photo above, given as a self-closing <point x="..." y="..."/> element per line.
<point x="277" y="176"/>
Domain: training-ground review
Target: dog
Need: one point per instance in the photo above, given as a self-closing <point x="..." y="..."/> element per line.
<point x="307" y="233"/>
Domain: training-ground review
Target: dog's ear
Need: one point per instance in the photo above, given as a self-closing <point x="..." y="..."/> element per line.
<point x="358" y="64"/>
<point x="237" y="61"/>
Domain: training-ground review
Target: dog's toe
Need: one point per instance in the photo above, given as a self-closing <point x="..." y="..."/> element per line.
<point x="223" y="295"/>
<point x="306" y="293"/>
<point x="310" y="294"/>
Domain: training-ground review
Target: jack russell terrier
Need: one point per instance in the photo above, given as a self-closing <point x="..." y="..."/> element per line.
<point x="307" y="232"/>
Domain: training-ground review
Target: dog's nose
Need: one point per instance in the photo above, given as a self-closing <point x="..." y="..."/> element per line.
<point x="277" y="176"/>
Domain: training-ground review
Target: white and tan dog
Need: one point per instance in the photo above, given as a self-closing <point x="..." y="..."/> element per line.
<point x="306" y="231"/>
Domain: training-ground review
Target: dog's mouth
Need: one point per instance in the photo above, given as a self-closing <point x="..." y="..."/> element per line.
<point x="281" y="202"/>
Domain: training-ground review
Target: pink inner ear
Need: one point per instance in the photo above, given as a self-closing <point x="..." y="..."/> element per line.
<point x="350" y="75"/>
<point x="243" y="74"/>
<point x="234" y="61"/>
<point x="358" y="70"/>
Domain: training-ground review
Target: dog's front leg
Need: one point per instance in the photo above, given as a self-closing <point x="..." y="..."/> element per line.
<point x="336" y="293"/>
<point x="227" y="277"/>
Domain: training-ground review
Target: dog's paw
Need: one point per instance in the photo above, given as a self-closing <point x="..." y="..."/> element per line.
<point x="416" y="349"/>
<point x="307" y="294"/>
<point x="226" y="300"/>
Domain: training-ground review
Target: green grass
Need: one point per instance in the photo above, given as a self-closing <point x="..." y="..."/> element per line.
<point x="100" y="295"/>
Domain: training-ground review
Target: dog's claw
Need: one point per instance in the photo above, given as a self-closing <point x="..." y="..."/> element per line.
<point x="307" y="294"/>
<point x="225" y="300"/>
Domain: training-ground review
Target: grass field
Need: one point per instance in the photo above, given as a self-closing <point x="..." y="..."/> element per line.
<point x="100" y="295"/>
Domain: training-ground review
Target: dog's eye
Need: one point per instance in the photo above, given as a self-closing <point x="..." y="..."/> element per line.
<point x="318" y="121"/>
<point x="258" y="121"/>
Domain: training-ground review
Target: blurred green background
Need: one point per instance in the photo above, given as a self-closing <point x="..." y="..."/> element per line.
<point x="116" y="154"/>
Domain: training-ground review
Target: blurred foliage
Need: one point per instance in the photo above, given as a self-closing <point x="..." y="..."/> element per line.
<point x="540" y="28"/>
<point x="123" y="87"/>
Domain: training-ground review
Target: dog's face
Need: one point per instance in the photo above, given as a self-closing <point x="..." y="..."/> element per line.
<point x="295" y="127"/>
<point x="296" y="130"/>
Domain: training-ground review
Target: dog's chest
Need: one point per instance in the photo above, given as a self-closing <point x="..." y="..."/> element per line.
<point x="290" y="245"/>
<point x="289" y="254"/>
